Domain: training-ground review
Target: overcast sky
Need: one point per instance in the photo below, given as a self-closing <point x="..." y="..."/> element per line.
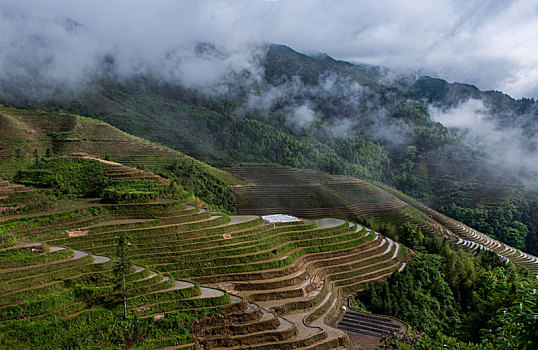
<point x="492" y="44"/>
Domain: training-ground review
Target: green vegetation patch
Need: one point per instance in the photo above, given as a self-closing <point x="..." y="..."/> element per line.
<point x="30" y="256"/>
<point x="450" y="292"/>
<point x="97" y="329"/>
<point x="127" y="195"/>
<point x="6" y="239"/>
<point x="67" y="177"/>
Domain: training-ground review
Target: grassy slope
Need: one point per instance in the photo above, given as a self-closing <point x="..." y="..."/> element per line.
<point x="27" y="130"/>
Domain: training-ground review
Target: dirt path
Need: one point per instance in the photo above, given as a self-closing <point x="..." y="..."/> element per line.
<point x="97" y="259"/>
<point x="328" y="223"/>
<point x="239" y="219"/>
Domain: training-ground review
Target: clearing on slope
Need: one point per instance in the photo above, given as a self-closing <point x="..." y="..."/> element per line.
<point x="29" y="136"/>
<point x="27" y="131"/>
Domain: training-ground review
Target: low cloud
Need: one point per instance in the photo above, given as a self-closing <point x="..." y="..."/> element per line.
<point x="473" y="122"/>
<point x="303" y="116"/>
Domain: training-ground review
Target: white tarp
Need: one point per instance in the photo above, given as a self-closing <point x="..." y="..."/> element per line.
<point x="280" y="218"/>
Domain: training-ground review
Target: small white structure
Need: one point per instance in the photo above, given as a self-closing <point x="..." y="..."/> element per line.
<point x="275" y="218"/>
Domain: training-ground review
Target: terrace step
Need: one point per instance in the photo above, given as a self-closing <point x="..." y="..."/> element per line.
<point x="475" y="240"/>
<point x="120" y="171"/>
<point x="285" y="330"/>
<point x="178" y="347"/>
<point x="306" y="260"/>
<point x="267" y="321"/>
<point x="367" y="324"/>
<point x="304" y="280"/>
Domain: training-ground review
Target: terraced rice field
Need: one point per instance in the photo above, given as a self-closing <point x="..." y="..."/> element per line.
<point x="117" y="171"/>
<point x="13" y="196"/>
<point x="367" y="324"/>
<point x="276" y="285"/>
<point x="474" y="240"/>
<point x="271" y="189"/>
<point x="66" y="133"/>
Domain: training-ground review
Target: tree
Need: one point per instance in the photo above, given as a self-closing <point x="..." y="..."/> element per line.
<point x="419" y="294"/>
<point x="36" y="156"/>
<point x="121" y="268"/>
<point x="415" y="340"/>
<point x="18" y="153"/>
<point x="516" y="326"/>
<point x="410" y="234"/>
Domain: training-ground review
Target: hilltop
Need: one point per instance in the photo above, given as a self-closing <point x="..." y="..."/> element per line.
<point x="28" y="135"/>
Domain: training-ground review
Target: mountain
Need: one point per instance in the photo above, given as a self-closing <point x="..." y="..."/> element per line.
<point x="465" y="152"/>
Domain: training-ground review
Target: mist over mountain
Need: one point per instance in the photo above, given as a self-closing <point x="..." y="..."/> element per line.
<point x="59" y="45"/>
<point x="319" y="96"/>
<point x="204" y="78"/>
<point x="67" y="50"/>
<point x="509" y="141"/>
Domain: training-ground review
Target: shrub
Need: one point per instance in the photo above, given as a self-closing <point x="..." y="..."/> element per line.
<point x="114" y="195"/>
<point x="6" y="240"/>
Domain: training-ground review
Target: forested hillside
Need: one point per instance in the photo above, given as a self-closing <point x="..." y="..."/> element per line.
<point x="316" y="112"/>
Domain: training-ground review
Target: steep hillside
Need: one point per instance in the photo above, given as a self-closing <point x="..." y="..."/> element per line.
<point x="27" y="130"/>
<point x="276" y="285"/>
<point x="203" y="277"/>
<point x="200" y="276"/>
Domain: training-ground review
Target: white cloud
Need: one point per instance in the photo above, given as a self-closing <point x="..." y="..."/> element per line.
<point x="490" y="44"/>
<point x="303" y="116"/>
